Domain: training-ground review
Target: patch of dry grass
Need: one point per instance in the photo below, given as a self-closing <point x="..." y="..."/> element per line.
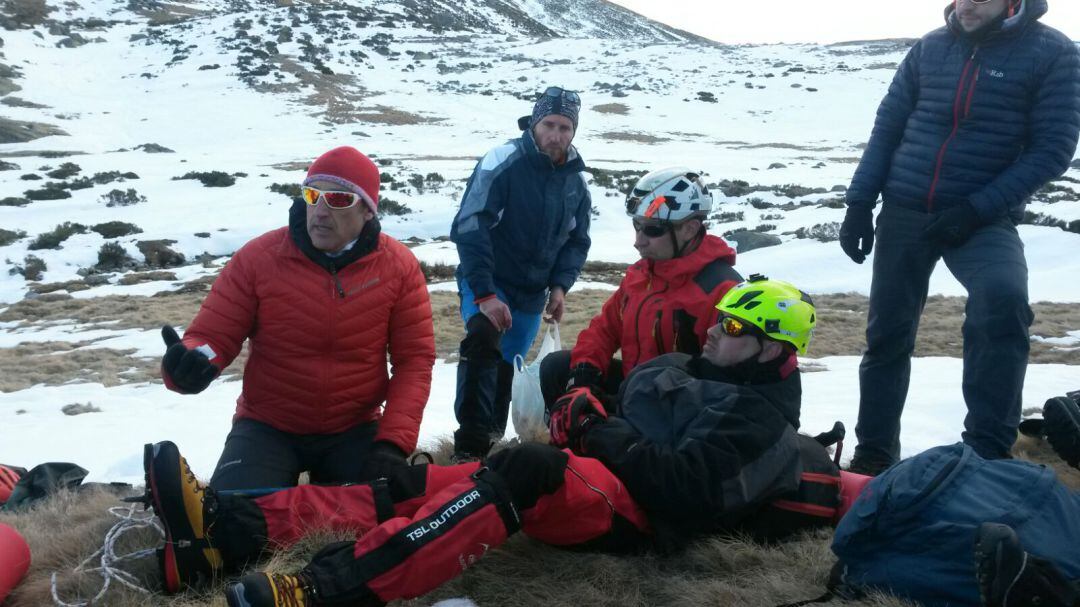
<point x="631" y="136"/>
<point x="620" y="109"/>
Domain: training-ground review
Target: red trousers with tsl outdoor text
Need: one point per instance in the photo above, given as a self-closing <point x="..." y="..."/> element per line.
<point x="426" y="524"/>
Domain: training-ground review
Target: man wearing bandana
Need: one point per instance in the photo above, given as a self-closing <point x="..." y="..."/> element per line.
<point x="522" y="235"/>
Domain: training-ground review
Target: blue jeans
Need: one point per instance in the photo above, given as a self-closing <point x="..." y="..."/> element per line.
<point x="992" y="268"/>
<point x="518" y="338"/>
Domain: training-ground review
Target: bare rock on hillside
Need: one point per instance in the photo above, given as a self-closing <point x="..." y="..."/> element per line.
<point x="16" y="131"/>
<point x="747" y="240"/>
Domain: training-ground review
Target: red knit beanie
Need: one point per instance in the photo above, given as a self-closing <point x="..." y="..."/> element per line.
<point x="348" y="168"/>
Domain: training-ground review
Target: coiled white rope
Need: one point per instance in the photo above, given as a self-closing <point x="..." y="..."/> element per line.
<point x="109" y="560"/>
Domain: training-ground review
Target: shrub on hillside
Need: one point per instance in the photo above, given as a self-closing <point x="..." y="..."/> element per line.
<point x="51" y="191"/>
<point x="728" y="217"/>
<point x="388" y="206"/>
<point x="13" y="201"/>
<point x="9" y="236"/>
<point x="621" y="181"/>
<point x="292" y="190"/>
<point x="67" y="169"/>
<point x="122" y="198"/>
<point x="825" y="232"/>
<point x="211" y="179"/>
<point x="759" y="204"/>
<point x="52" y="239"/>
<point x="32" y="268"/>
<point x="113" y="256"/>
<point x="24" y="14"/>
<point x="437" y="271"/>
<point x="116" y="229"/>
<point x="1038" y="219"/>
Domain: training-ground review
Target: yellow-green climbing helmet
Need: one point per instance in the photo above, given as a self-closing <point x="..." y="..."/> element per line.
<point x="780" y="310"/>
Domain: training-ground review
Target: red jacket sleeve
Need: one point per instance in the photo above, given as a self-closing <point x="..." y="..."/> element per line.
<point x="227" y="315"/>
<point x="603" y="337"/>
<point x="412" y="355"/>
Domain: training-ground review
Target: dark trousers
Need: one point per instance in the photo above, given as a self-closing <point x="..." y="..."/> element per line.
<point x="258" y="456"/>
<point x="424" y="524"/>
<point x="992" y="268"/>
<point x="555" y="372"/>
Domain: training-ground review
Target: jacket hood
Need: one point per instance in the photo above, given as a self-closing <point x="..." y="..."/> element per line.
<point x="711" y="247"/>
<point x="1029" y="12"/>
<point x="365" y="243"/>
<point x="539" y="159"/>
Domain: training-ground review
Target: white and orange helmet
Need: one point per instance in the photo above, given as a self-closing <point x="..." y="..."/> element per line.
<point x="674" y="194"/>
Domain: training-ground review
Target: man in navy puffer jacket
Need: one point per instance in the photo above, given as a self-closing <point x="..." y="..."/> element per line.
<point x="981" y="114"/>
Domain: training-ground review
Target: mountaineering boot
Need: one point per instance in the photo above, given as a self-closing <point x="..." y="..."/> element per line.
<point x="271" y="590"/>
<point x="1010" y="577"/>
<point x="868" y="466"/>
<point x="185" y="507"/>
<point x="1062" y="428"/>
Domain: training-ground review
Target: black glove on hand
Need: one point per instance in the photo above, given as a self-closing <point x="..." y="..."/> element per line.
<point x="857" y="233"/>
<point x="952" y="227"/>
<point x="585" y="375"/>
<point x="189" y="370"/>
<point x="382" y="460"/>
<point x="572" y="415"/>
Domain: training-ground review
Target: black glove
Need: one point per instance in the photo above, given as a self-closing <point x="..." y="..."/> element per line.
<point x="857" y="233"/>
<point x="585" y="375"/>
<point x="189" y="370"/>
<point x="952" y="227"/>
<point x="571" y="417"/>
<point x="382" y="460"/>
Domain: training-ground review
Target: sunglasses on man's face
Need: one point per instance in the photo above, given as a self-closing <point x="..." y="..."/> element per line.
<point x="735" y="327"/>
<point x="557" y="92"/>
<point x="652" y="230"/>
<point x="334" y="200"/>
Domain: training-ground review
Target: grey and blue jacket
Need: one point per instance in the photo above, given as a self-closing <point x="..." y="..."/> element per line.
<point x="523" y="225"/>
<point x="986" y="118"/>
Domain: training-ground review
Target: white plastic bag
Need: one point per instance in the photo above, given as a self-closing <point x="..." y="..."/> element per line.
<point x="527" y="400"/>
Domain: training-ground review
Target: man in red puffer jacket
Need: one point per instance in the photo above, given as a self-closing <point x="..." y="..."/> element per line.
<point x="323" y="303"/>
<point x="666" y="302"/>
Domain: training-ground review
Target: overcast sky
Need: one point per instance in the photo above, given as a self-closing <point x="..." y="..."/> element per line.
<point x="736" y="21"/>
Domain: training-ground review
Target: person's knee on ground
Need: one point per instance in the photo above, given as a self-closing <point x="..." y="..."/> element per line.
<point x="477" y="388"/>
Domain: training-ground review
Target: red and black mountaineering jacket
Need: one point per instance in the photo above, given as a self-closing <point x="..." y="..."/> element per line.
<point x="660" y="307"/>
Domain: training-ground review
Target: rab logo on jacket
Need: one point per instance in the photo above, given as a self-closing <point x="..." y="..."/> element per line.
<point x="994" y="73"/>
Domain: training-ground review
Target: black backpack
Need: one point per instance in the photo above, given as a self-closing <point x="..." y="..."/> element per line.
<point x="816" y="502"/>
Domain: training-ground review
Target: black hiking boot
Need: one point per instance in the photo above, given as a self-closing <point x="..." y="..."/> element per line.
<point x="868" y="466"/>
<point x="1010" y="577"/>
<point x="1062" y="428"/>
<point x="184" y="506"/>
<point x="271" y="590"/>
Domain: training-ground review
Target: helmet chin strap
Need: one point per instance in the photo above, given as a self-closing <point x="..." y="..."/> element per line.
<point x="680" y="251"/>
